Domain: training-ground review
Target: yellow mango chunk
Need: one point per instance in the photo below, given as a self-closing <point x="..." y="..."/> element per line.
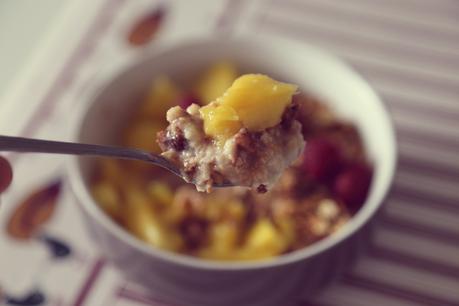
<point x="287" y="229"/>
<point x="263" y="240"/>
<point x="215" y="81"/>
<point x="142" y="220"/>
<point x="254" y="101"/>
<point x="220" y="121"/>
<point x="161" y="193"/>
<point x="223" y="238"/>
<point x="108" y="198"/>
<point x="235" y="210"/>
<point x="258" y="100"/>
<point x="163" y="94"/>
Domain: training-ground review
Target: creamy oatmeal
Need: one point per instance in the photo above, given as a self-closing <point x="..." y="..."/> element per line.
<point x="234" y="140"/>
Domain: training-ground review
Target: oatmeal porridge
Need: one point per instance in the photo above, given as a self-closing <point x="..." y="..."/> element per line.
<point x="244" y="138"/>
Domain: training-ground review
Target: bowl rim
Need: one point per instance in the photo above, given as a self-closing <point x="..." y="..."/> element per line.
<point x="363" y="216"/>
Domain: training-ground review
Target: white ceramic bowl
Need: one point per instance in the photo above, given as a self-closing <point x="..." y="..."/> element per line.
<point x="183" y="280"/>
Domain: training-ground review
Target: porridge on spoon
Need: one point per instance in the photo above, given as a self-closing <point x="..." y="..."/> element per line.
<point x="247" y="137"/>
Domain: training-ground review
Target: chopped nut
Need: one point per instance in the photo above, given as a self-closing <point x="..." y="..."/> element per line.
<point x="193" y="109"/>
<point x="327" y="209"/>
<point x="174" y="113"/>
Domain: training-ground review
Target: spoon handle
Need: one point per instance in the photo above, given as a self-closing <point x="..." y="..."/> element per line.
<point x="20" y="144"/>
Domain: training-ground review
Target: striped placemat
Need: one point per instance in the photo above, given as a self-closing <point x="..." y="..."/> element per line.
<point x="407" y="49"/>
<point x="409" y="52"/>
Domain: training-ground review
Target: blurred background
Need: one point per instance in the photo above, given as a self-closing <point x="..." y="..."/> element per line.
<point x="22" y="32"/>
<point x="54" y="54"/>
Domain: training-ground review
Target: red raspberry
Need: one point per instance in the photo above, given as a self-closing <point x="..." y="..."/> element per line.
<point x="322" y="159"/>
<point x="352" y="184"/>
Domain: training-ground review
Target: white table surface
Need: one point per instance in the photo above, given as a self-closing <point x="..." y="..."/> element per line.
<point x="23" y="24"/>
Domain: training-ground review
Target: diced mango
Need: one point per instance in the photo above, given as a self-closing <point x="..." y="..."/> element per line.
<point x="235" y="210"/>
<point x="142" y="221"/>
<point x="215" y="81"/>
<point x="263" y="240"/>
<point x="223" y="238"/>
<point x="258" y="100"/>
<point x="161" y="193"/>
<point x="108" y="198"/>
<point x="213" y="210"/>
<point x="254" y="101"/>
<point x="220" y="121"/>
<point x="142" y="135"/>
<point x="163" y="94"/>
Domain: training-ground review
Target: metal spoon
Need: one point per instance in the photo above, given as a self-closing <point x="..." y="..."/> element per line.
<point x="20" y="144"/>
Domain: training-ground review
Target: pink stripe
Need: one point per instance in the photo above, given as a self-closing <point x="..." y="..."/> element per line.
<point x="435" y="111"/>
<point x="429" y="169"/>
<point x="419" y="196"/>
<point x="449" y="165"/>
<point x="392" y="290"/>
<point x="419" y="229"/>
<point x="65" y="77"/>
<point x="88" y="284"/>
<point x="415" y="262"/>
<point x="441" y="142"/>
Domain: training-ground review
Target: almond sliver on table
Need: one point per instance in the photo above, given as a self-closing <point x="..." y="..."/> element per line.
<point x="408" y="50"/>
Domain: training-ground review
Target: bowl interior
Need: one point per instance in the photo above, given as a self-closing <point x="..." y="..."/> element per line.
<point x="314" y="70"/>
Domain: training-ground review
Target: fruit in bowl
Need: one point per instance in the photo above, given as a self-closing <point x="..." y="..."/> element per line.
<point x="313" y="198"/>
